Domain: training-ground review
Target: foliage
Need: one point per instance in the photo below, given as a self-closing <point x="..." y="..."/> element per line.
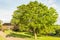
<point x="57" y="30"/>
<point x="48" y="30"/>
<point x="0" y="24"/>
<point x="34" y="17"/>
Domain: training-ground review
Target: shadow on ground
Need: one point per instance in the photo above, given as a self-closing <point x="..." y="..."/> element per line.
<point x="19" y="35"/>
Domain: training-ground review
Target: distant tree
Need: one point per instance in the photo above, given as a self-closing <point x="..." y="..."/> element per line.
<point x="0" y="24"/>
<point x="34" y="17"/>
<point x="57" y="30"/>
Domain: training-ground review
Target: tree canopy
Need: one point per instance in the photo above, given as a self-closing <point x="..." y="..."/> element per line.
<point x="34" y="17"/>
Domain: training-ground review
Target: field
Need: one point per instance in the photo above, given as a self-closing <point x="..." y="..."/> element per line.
<point x="46" y="38"/>
<point x="27" y="36"/>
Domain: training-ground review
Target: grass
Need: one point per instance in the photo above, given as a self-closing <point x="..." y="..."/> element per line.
<point x="19" y="35"/>
<point x="27" y="36"/>
<point x="1" y="38"/>
<point x="7" y="31"/>
<point x="45" y="38"/>
<point x="49" y="38"/>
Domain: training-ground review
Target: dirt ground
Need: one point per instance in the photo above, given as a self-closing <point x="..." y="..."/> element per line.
<point x="9" y="38"/>
<point x="12" y="38"/>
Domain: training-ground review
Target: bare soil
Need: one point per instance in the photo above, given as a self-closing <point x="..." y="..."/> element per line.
<point x="9" y="38"/>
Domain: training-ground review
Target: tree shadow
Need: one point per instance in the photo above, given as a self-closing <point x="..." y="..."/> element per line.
<point x="29" y="33"/>
<point x="52" y="34"/>
<point x="18" y="35"/>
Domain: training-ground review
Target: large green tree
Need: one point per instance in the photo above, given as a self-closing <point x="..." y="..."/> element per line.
<point x="34" y="17"/>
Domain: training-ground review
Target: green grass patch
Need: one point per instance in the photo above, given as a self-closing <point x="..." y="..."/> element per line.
<point x="8" y="31"/>
<point x="45" y="38"/>
<point x="28" y="36"/>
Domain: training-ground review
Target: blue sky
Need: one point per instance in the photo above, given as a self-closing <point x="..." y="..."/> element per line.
<point x="7" y="7"/>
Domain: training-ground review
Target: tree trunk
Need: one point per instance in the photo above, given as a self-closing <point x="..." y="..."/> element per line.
<point x="35" y="36"/>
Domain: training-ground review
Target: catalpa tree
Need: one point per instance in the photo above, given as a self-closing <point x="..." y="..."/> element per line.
<point x="34" y="17"/>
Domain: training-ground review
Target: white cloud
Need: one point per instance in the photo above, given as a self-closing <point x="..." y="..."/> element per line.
<point x="50" y="1"/>
<point x="5" y="15"/>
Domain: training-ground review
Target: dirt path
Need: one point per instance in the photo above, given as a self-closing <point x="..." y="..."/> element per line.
<point x="2" y="34"/>
<point x="9" y="38"/>
<point x="12" y="38"/>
